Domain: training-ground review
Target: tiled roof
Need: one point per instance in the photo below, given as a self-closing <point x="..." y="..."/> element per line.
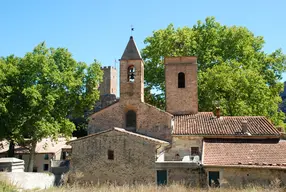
<point x="47" y="145"/>
<point x="204" y="123"/>
<point x="244" y="153"/>
<point x="121" y="130"/>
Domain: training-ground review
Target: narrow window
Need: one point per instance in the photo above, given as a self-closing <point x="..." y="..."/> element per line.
<point x="110" y="154"/>
<point x="131" y="120"/>
<point x="46" y="167"/>
<point x="181" y="80"/>
<point x="194" y="151"/>
<point x="131" y="73"/>
<point x="46" y="156"/>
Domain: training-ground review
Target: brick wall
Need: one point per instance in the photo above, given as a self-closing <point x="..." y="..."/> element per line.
<point x="134" y="159"/>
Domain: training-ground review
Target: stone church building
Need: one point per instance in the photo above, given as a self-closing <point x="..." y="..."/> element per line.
<point x="130" y="141"/>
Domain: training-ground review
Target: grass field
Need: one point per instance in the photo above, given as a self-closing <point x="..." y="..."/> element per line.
<point x="152" y="188"/>
<point x="5" y="187"/>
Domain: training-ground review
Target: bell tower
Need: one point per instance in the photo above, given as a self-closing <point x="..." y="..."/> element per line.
<point x="131" y="74"/>
<point x="181" y="85"/>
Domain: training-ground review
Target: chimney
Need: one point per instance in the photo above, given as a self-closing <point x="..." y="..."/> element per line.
<point x="243" y="126"/>
<point x="217" y="112"/>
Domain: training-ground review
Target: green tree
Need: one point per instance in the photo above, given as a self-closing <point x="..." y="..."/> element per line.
<point x="233" y="69"/>
<point x="47" y="86"/>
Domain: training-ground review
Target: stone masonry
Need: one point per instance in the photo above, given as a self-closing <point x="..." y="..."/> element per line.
<point x="241" y="177"/>
<point x="150" y="120"/>
<point x="132" y="90"/>
<point x="109" y="83"/>
<point x="180" y="101"/>
<point x="134" y="158"/>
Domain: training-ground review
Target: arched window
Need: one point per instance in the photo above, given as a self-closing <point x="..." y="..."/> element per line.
<point x="131" y="120"/>
<point x="131" y="73"/>
<point x="181" y="80"/>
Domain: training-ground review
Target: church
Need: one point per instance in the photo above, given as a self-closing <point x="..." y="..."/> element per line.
<point x="132" y="142"/>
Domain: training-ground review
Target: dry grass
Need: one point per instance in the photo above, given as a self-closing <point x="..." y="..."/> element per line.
<point x="6" y="186"/>
<point x="152" y="188"/>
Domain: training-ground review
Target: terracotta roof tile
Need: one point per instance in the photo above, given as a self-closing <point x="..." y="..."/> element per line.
<point x="245" y="153"/>
<point x="204" y="123"/>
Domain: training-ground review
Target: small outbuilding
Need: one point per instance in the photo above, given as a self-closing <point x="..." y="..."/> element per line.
<point x="11" y="165"/>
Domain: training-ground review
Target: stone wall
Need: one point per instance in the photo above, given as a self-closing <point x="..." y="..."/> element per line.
<point x="181" y="100"/>
<point x="189" y="177"/>
<point x="241" y="177"/>
<point x="132" y="90"/>
<point x="150" y="120"/>
<point x="109" y="81"/>
<point x="134" y="159"/>
<point x="107" y="118"/>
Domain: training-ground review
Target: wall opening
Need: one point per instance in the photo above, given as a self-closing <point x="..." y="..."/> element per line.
<point x="194" y="151"/>
<point x="35" y="169"/>
<point x="46" y="167"/>
<point x="181" y="80"/>
<point x="214" y="179"/>
<point x="131" y="120"/>
<point x="46" y="156"/>
<point x="131" y="73"/>
<point x="110" y="155"/>
<point x="161" y="177"/>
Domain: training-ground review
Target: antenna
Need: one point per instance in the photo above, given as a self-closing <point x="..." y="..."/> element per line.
<point x="132" y="29"/>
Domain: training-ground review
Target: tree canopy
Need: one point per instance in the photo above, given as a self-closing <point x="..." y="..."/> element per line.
<point x="233" y="69"/>
<point x="39" y="92"/>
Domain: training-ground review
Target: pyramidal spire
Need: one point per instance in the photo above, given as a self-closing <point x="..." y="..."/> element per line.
<point x="131" y="52"/>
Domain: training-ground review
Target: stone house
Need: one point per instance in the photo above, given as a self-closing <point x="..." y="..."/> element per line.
<point x="48" y="153"/>
<point x="131" y="141"/>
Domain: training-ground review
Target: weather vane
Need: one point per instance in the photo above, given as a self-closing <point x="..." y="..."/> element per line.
<point x="132" y="29"/>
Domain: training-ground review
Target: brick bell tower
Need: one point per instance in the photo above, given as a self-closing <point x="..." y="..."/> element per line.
<point x="181" y="85"/>
<point x="131" y="74"/>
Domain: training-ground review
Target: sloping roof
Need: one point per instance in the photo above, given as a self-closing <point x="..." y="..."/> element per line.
<point x="204" y="123"/>
<point x="46" y="145"/>
<point x="244" y="153"/>
<point x="131" y="52"/>
<point x="121" y="130"/>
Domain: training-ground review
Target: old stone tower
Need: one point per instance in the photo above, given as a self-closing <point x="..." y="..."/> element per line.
<point x="181" y="85"/>
<point x="131" y="74"/>
<point x="109" y="83"/>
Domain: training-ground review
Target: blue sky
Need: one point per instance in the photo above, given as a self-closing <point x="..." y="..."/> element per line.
<point x="101" y="28"/>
